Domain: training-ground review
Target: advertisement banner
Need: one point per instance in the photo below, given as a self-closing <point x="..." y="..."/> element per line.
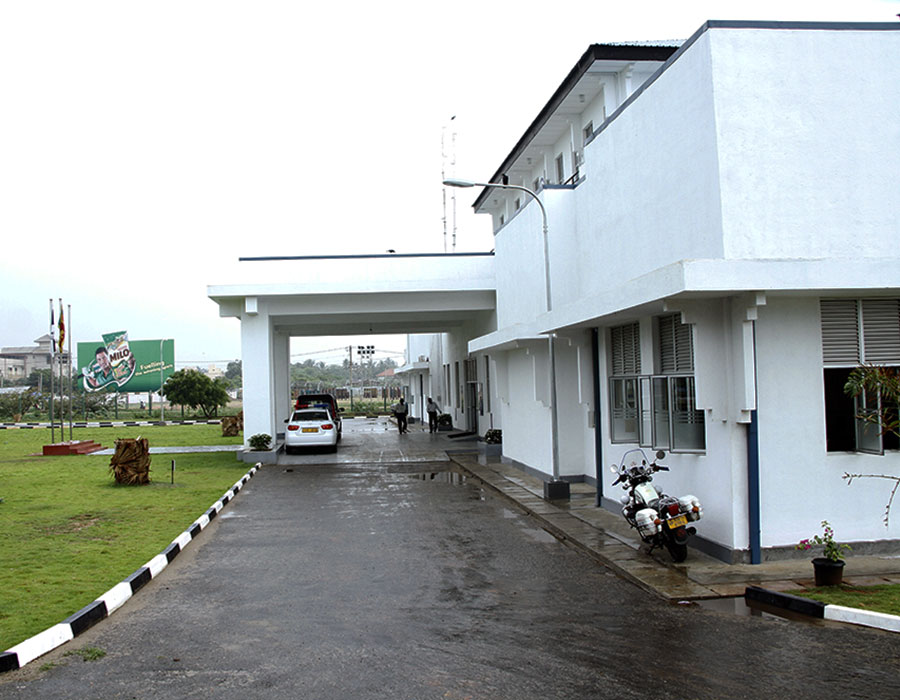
<point x="117" y="364"/>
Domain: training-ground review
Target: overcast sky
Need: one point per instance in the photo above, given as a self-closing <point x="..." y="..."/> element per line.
<point x="144" y="147"/>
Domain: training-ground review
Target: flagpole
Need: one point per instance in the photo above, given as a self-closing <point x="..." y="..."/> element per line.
<point x="52" y="358"/>
<point x="69" y="309"/>
<point x="59" y="361"/>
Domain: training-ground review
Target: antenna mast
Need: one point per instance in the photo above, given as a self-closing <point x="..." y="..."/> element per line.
<point x="453" y="194"/>
<point x="444" y="177"/>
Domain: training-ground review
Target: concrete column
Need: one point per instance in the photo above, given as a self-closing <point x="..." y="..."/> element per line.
<point x="281" y="353"/>
<point x="258" y="381"/>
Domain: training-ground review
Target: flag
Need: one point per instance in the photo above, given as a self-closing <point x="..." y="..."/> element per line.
<point x="62" y="327"/>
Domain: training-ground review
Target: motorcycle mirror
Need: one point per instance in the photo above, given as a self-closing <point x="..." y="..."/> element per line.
<point x="660" y="454"/>
<point x="614" y="468"/>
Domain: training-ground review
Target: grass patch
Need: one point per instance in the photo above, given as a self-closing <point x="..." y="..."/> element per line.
<point x="22" y="443"/>
<point x="884" y="598"/>
<point x="72" y="533"/>
<point x="87" y="653"/>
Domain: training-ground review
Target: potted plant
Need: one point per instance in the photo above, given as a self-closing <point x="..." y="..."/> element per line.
<point x="829" y="570"/>
<point x="494" y="436"/>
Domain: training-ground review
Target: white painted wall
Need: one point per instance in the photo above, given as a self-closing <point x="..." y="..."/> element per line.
<point x="809" y="150"/>
<point x="651" y="192"/>
<point x="801" y="482"/>
<point x="526" y="420"/>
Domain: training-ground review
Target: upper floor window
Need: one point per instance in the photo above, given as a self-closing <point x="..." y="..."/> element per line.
<point x="560" y="169"/>
<point x="587" y="132"/>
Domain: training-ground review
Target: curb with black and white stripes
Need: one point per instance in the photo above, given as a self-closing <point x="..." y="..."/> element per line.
<point x="109" y="424"/>
<point x="115" y="597"/>
<point x="817" y="609"/>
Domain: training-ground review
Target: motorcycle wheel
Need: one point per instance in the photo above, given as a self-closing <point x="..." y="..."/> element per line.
<point x="677" y="551"/>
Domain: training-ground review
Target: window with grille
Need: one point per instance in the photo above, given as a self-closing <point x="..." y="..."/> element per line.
<point x="658" y="410"/>
<point x="854" y="332"/>
<point x="625" y="366"/>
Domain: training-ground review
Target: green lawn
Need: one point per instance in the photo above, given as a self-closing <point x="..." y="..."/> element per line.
<point x="71" y="533"/>
<point x="884" y="598"/>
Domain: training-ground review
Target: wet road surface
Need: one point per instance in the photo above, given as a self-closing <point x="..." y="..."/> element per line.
<point x="406" y="581"/>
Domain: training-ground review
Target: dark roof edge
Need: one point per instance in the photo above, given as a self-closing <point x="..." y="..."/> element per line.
<point x="833" y="26"/>
<point x="673" y="53"/>
<point x="270" y="258"/>
<point x="595" y="52"/>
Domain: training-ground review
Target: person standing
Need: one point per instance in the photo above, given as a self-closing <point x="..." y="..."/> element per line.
<point x="433" y="410"/>
<point x="401" y="410"/>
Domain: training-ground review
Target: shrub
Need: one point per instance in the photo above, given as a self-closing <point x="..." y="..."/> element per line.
<point x="260" y="441"/>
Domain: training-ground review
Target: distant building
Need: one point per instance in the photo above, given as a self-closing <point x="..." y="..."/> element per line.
<point x="12" y="369"/>
<point x="19" y="362"/>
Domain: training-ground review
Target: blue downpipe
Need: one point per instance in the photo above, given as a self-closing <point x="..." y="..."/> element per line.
<point x="753" y="488"/>
<point x="598" y="436"/>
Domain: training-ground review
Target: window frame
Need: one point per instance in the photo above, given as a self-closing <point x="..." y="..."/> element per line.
<point x="848" y="341"/>
<point x="649" y="400"/>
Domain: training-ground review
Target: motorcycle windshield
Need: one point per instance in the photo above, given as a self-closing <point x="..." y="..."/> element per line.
<point x="646" y="493"/>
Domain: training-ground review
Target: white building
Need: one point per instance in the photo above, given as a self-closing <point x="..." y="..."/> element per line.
<point x="723" y="237"/>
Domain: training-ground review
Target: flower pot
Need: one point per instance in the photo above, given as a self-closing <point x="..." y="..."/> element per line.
<point x="828" y="572"/>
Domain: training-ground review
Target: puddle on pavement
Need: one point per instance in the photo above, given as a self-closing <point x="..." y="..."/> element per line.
<point x="744" y="608"/>
<point x="442" y="477"/>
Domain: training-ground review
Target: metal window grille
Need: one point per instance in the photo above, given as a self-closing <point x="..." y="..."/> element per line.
<point x="676" y="345"/>
<point x="860" y="330"/>
<point x="626" y="349"/>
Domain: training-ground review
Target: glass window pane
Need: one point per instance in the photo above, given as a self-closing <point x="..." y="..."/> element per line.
<point x="646" y="413"/>
<point x="687" y="420"/>
<point x="624" y="402"/>
<point x="660" y="413"/>
<point x="868" y="425"/>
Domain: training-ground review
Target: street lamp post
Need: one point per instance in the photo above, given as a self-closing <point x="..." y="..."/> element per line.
<point x="556" y="488"/>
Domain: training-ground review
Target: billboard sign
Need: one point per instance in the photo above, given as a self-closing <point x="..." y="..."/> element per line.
<point x="117" y="364"/>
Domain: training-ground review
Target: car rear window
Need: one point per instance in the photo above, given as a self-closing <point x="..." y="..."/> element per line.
<point x="310" y="415"/>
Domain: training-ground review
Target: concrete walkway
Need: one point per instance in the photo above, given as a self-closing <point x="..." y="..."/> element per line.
<point x="606" y="536"/>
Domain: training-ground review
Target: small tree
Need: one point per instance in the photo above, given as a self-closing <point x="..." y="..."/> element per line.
<point x="234" y="370"/>
<point x="881" y="386"/>
<point x="188" y="387"/>
<point x="18" y="403"/>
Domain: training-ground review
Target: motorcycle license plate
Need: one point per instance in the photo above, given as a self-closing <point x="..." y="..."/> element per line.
<point x="310" y="430"/>
<point x="679" y="521"/>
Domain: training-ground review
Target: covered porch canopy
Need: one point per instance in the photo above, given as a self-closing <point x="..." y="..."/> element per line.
<point x="277" y="298"/>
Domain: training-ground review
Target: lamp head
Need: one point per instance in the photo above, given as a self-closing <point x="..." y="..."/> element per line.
<point x="459" y="183"/>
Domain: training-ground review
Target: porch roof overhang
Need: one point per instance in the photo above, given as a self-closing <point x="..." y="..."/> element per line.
<point x="412" y="367"/>
<point x="661" y="289"/>
<point x="361" y="295"/>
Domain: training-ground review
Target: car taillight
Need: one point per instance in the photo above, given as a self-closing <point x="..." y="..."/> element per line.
<point x="673" y="509"/>
<point x="293" y="427"/>
<point x="327" y="426"/>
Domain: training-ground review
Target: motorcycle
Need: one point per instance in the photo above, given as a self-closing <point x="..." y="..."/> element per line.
<point x="661" y="520"/>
